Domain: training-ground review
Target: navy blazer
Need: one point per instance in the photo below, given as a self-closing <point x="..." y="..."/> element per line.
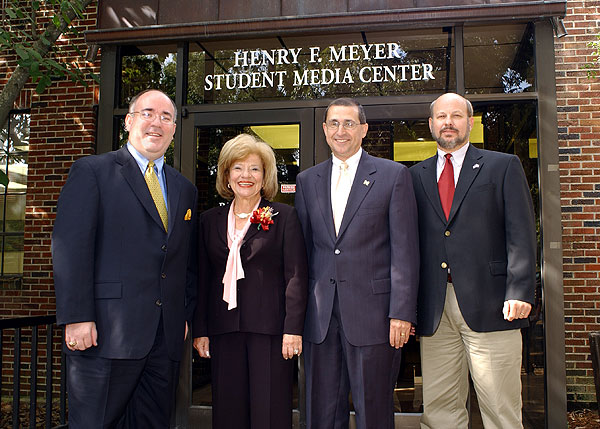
<point x="271" y="298"/>
<point x="115" y="264"/>
<point x="488" y="242"/>
<point x="373" y="262"/>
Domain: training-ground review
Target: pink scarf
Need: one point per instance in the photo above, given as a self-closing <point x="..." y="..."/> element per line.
<point x="233" y="269"/>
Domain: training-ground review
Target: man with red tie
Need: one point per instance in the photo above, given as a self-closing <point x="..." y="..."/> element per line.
<point x="477" y="275"/>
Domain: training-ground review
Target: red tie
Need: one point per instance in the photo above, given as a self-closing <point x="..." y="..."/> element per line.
<point x="446" y="185"/>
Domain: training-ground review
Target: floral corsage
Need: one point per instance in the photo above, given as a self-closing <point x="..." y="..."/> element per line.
<point x="263" y="217"/>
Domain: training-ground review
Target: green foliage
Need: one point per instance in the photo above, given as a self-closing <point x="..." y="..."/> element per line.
<point x="3" y="178"/>
<point x="593" y="68"/>
<point x="32" y="39"/>
<point x="139" y="72"/>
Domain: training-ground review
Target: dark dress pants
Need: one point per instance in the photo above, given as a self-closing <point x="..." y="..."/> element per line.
<point x="335" y="367"/>
<point x="251" y="382"/>
<point x="122" y="393"/>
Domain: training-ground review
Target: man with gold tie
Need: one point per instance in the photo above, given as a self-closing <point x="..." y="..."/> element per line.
<point x="477" y="278"/>
<point x="123" y="246"/>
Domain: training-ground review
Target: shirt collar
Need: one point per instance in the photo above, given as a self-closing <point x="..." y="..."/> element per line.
<point x="142" y="162"/>
<point x="458" y="156"/>
<point x="352" y="161"/>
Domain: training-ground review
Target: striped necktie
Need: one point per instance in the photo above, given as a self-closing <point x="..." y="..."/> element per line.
<point x="157" y="195"/>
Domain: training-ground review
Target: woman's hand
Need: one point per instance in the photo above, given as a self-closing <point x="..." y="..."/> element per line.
<point x="291" y="345"/>
<point x="201" y="345"/>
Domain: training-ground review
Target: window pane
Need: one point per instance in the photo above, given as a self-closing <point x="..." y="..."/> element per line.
<point x="412" y="141"/>
<point x="511" y="128"/>
<point x="19" y="132"/>
<point x="17" y="173"/>
<point x="14" y="149"/>
<point x="499" y="59"/>
<point x="13" y="219"/>
<point x="144" y="67"/>
<point x="352" y="65"/>
<point x="12" y="257"/>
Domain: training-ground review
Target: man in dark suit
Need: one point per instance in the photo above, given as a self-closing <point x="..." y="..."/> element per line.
<point x="478" y="251"/>
<point x="123" y="249"/>
<point x="359" y="220"/>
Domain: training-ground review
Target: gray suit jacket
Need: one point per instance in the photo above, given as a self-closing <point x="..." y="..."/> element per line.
<point x="373" y="263"/>
<point x="488" y="241"/>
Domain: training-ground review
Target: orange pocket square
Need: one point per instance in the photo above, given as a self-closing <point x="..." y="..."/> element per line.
<point x="188" y="215"/>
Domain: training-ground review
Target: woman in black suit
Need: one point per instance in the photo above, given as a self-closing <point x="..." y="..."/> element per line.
<point x="252" y="291"/>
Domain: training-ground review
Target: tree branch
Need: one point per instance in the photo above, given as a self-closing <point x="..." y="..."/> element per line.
<point x="20" y="76"/>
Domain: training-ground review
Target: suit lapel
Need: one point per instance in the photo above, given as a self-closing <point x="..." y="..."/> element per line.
<point x="132" y="174"/>
<point x="468" y="172"/>
<point x="173" y="192"/>
<point x="222" y="218"/>
<point x="362" y="184"/>
<point x="428" y="176"/>
<point x="323" y="196"/>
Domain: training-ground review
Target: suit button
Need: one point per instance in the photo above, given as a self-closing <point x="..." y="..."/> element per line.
<point x="447" y="233"/>
<point x="163" y="276"/>
<point x="158" y="302"/>
<point x="337" y="251"/>
<point x="444" y="265"/>
<point x="163" y="247"/>
<point x="332" y="281"/>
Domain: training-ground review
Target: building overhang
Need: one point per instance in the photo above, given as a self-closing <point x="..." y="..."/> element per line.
<point x="120" y="24"/>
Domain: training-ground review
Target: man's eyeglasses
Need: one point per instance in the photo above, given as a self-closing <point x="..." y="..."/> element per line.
<point x="334" y="125"/>
<point x="149" y="116"/>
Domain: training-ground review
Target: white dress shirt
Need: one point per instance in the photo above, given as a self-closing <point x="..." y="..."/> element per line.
<point x="339" y="197"/>
<point x="458" y="157"/>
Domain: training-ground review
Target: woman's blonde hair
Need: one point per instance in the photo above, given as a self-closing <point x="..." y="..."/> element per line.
<point x="239" y="148"/>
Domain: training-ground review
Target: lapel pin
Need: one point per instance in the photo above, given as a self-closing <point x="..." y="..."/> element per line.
<point x="366" y="183"/>
<point x="475" y="166"/>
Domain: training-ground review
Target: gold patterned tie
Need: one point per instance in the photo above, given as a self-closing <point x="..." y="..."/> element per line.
<point x="157" y="195"/>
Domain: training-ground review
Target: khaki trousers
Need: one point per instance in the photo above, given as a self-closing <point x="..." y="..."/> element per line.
<point x="492" y="358"/>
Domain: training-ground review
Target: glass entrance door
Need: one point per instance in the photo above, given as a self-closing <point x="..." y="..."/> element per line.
<point x="290" y="133"/>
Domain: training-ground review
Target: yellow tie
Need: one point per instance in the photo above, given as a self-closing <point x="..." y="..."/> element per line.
<point x="156" y="192"/>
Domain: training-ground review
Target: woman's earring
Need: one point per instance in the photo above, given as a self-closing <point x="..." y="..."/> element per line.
<point x="229" y="186"/>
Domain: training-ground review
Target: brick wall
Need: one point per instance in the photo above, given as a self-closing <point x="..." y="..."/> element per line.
<point x="62" y="130"/>
<point x="578" y="99"/>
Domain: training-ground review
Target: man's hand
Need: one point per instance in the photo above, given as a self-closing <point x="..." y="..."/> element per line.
<point x="515" y="309"/>
<point x="81" y="336"/>
<point x="201" y="345"/>
<point x="399" y="332"/>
